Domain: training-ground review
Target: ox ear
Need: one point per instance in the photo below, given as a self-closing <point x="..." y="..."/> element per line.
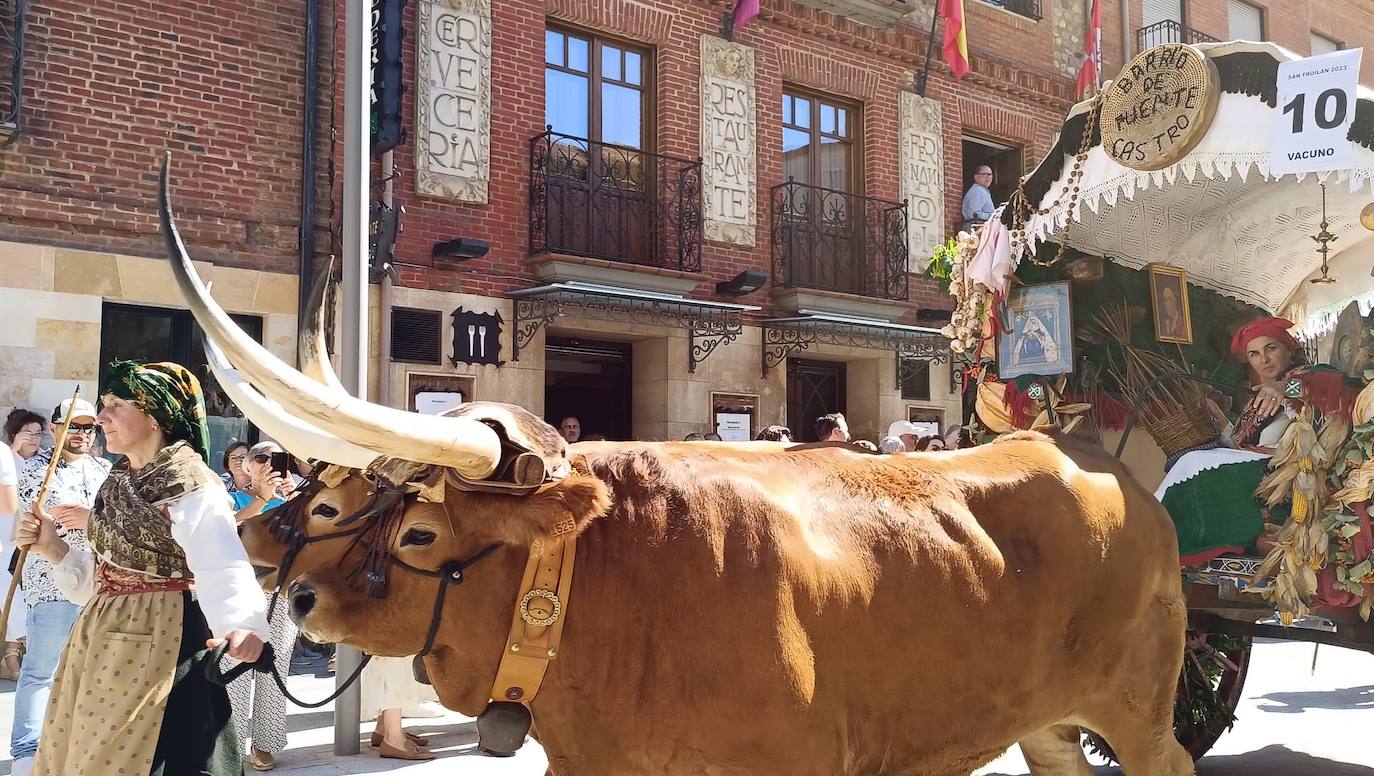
<point x="560" y="509"/>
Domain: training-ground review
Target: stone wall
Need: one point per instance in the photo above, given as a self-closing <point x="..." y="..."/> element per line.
<point x="52" y="300"/>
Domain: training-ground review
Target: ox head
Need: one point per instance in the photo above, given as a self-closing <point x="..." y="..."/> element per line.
<point x="364" y="549"/>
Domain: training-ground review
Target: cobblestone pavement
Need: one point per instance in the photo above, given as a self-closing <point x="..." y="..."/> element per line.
<point x="1293" y="722"/>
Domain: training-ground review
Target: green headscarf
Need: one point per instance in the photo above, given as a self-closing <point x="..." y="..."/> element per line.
<point x="169" y="393"/>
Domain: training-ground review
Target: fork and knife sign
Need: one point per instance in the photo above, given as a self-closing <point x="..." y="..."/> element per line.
<point x="479" y="333"/>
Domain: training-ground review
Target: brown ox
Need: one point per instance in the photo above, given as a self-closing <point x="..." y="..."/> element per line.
<point x="742" y="610"/>
<point x="819" y="611"/>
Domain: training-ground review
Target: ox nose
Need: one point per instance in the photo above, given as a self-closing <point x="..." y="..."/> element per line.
<point x="302" y="597"/>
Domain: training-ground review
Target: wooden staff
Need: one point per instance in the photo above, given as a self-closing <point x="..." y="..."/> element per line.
<point x="57" y="447"/>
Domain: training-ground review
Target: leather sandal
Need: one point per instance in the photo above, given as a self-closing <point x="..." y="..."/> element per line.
<point x="411" y="737"/>
<point x="409" y="753"/>
<point x="262" y="760"/>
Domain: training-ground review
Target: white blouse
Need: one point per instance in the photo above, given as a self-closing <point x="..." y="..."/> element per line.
<point x="226" y="588"/>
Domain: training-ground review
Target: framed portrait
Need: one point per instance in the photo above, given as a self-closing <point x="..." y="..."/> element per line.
<point x="1169" y="300"/>
<point x="1037" y="336"/>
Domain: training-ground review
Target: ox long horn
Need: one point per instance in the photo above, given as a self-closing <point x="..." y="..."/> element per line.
<point x="311" y="343"/>
<point x="468" y="446"/>
<point x="294" y="434"/>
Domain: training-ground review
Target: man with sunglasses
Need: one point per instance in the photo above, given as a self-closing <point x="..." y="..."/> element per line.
<point x="71" y="495"/>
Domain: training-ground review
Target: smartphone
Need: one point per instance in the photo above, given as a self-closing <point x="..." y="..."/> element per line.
<point x="283" y="463"/>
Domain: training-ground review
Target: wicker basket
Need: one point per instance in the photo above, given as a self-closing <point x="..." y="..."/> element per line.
<point x="1184" y="428"/>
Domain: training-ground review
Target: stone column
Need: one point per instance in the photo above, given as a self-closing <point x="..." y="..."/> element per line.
<point x="729" y="132"/>
<point x="922" y="160"/>
<point x="453" y="99"/>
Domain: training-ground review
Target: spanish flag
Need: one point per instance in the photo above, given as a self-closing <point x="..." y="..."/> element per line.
<point x="956" y="39"/>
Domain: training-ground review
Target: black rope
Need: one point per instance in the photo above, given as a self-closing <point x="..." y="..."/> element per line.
<point x="266" y="664"/>
<point x="448" y="574"/>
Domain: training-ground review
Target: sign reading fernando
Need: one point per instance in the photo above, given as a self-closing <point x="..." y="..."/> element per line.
<point x="1316" y="105"/>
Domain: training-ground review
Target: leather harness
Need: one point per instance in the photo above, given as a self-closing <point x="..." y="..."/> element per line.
<point x="541" y="604"/>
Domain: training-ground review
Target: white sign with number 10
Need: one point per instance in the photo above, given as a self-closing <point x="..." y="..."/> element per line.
<point x="1315" y="107"/>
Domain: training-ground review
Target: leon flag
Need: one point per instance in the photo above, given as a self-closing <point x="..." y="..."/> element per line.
<point x="1090" y="72"/>
<point x="956" y="41"/>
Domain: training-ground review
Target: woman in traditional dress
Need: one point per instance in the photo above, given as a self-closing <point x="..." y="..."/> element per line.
<point x="164" y="573"/>
<point x="1209" y="493"/>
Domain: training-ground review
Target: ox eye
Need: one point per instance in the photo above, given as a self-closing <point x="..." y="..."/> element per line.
<point x="418" y="537"/>
<point x="325" y="511"/>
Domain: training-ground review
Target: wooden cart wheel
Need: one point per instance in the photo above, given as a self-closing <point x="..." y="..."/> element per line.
<point x="1209" y="690"/>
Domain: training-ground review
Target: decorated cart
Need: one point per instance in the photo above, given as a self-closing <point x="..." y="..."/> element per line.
<point x="1186" y="279"/>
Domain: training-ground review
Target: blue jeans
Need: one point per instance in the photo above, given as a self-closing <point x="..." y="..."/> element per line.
<point x="49" y="624"/>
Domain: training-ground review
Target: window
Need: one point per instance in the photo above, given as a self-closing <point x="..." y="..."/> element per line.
<point x="1157" y="11"/>
<point x="1005" y="161"/>
<point x="159" y="334"/>
<point x="1247" y="21"/>
<point x="1324" y="45"/>
<point x="914" y="375"/>
<point x="818" y="141"/>
<point x="594" y="88"/>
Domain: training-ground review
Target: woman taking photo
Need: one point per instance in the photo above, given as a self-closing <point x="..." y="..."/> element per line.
<point x="129" y="696"/>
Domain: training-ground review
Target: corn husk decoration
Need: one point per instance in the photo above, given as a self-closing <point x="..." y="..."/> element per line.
<point x="1352" y="473"/>
<point x="1298" y="475"/>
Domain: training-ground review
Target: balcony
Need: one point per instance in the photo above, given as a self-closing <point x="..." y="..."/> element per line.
<point x="1027" y="8"/>
<point x="12" y="22"/>
<point x="1169" y="31"/>
<point x="833" y="241"/>
<point x="604" y="201"/>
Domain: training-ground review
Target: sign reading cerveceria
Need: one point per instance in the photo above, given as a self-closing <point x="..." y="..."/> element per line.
<point x="1159" y="107"/>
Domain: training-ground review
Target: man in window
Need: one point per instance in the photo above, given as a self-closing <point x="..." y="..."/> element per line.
<point x="978" y="205"/>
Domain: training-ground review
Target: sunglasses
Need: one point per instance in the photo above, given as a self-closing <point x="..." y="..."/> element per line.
<point x="81" y="428"/>
<point x="262" y="458"/>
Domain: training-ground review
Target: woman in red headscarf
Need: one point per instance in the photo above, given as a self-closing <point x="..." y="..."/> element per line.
<point x="1209" y="493"/>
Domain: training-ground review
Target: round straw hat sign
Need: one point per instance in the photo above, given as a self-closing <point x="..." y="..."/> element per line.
<point x="1159" y="107"/>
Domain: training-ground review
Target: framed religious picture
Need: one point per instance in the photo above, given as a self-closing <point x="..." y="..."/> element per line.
<point x="1169" y="300"/>
<point x="1037" y="332"/>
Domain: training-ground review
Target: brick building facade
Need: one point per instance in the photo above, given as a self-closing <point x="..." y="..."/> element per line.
<point x="107" y="89"/>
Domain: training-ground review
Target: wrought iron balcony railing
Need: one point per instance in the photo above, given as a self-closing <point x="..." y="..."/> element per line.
<point x="836" y="241"/>
<point x="1170" y="31"/>
<point x="1027" y="8"/>
<point x="11" y="67"/>
<point x="607" y="201"/>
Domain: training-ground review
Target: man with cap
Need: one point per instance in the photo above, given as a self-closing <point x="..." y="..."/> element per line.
<point x="905" y="431"/>
<point x="71" y="494"/>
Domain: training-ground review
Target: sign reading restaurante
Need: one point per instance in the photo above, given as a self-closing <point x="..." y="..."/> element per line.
<point x="728" y="134"/>
<point x="1159" y="107"/>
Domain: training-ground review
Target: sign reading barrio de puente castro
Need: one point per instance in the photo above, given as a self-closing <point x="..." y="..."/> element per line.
<point x="1159" y="107"/>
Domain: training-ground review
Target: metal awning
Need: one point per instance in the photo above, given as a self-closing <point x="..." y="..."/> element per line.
<point x="785" y="336"/>
<point x="709" y="324"/>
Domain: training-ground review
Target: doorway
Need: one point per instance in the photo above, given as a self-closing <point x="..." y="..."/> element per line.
<point x="1005" y="161"/>
<point x="152" y="334"/>
<point x="591" y="380"/>
<point x="814" y="388"/>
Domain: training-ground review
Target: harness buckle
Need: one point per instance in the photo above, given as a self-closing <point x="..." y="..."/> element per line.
<point x="542" y="615"/>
